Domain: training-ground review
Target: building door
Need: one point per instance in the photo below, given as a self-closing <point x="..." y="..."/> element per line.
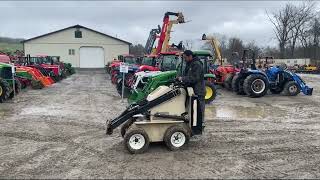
<point x="91" y="57"/>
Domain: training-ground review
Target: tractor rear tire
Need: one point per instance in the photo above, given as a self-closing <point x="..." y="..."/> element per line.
<point x="256" y="85"/>
<point x="211" y="92"/>
<point x="126" y="92"/>
<point x="291" y="88"/>
<point x="228" y="81"/>
<point x="176" y="137"/>
<point x="4" y="90"/>
<point x="237" y="85"/>
<point x="136" y="140"/>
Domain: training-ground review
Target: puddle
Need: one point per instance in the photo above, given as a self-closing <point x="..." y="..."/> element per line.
<point x="236" y="112"/>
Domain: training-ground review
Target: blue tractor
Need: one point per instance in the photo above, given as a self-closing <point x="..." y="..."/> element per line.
<point x="256" y="82"/>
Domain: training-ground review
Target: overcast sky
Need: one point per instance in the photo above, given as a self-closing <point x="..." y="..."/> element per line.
<point x="132" y="20"/>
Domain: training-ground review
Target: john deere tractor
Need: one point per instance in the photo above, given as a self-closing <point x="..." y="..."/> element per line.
<point x="7" y="83"/>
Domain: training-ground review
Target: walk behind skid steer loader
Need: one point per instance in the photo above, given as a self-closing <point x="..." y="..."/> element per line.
<point x="170" y="114"/>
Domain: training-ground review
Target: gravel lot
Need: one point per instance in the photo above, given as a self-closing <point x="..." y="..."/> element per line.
<point x="58" y="132"/>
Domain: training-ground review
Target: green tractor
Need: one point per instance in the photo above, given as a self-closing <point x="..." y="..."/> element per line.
<point x="146" y="82"/>
<point x="7" y="83"/>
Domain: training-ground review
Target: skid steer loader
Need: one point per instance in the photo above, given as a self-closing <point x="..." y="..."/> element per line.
<point x="170" y="113"/>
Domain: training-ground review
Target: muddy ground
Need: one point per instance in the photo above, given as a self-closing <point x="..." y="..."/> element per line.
<point x="58" y="132"/>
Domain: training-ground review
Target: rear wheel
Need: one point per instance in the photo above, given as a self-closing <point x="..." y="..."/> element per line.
<point x="210" y="92"/>
<point x="237" y="84"/>
<point x="291" y="88"/>
<point x="4" y="90"/>
<point x="176" y="137"/>
<point x="126" y="92"/>
<point x="256" y="85"/>
<point x="228" y="81"/>
<point x="136" y="140"/>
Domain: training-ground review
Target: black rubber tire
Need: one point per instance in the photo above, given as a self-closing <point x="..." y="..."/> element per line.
<point x="228" y="81"/>
<point x="17" y="86"/>
<point x="131" y="132"/>
<point x="287" y="86"/>
<point x="247" y="85"/>
<point x="125" y="127"/>
<point x="35" y="84"/>
<point x="237" y="84"/>
<point x="5" y="87"/>
<point x="126" y="92"/>
<point x="169" y="132"/>
<point x="214" y="92"/>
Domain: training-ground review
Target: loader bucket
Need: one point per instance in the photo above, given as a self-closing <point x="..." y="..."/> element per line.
<point x="307" y="91"/>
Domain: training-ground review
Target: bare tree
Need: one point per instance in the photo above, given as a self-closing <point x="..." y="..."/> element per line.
<point x="301" y="16"/>
<point x="255" y="48"/>
<point x="188" y="44"/>
<point x="283" y="24"/>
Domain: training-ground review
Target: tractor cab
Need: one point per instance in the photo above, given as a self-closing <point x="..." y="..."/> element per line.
<point x="149" y="63"/>
<point x="168" y="61"/>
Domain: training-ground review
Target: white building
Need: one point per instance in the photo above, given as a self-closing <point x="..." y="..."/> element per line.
<point x="292" y="62"/>
<point x="78" y="45"/>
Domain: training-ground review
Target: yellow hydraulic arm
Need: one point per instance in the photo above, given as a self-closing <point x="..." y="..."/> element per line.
<point x="215" y="45"/>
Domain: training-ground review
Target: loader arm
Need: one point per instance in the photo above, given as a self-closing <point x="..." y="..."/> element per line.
<point x="166" y="29"/>
<point x="151" y="39"/>
<point x="304" y="88"/>
<point x="215" y="45"/>
<point x="141" y="107"/>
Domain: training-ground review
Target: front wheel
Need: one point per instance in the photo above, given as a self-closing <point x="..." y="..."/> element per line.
<point x="256" y="85"/>
<point x="291" y="88"/>
<point x="211" y="92"/>
<point x="136" y="140"/>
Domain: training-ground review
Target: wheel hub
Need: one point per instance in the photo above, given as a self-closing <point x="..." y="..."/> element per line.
<point x="258" y="86"/>
<point x="209" y="92"/>
<point x="137" y="141"/>
<point x="293" y="89"/>
<point x="178" y="139"/>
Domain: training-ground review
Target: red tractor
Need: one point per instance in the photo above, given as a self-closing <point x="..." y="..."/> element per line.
<point x="223" y="73"/>
<point x="149" y="63"/>
<point x="129" y="59"/>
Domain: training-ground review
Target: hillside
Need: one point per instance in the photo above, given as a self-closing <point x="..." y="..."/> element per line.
<point x="10" y="45"/>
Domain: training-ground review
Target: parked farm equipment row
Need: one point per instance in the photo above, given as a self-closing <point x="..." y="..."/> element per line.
<point x="36" y="72"/>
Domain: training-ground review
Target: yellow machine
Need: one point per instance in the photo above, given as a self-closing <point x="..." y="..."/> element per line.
<point x="215" y="44"/>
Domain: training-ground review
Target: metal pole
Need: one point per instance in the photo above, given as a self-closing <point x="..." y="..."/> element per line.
<point x="122" y="87"/>
<point x="13" y="80"/>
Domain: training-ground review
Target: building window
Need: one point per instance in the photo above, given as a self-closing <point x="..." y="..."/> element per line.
<point x="78" y="34"/>
<point x="295" y="61"/>
<point x="71" y="52"/>
<point x="288" y="61"/>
